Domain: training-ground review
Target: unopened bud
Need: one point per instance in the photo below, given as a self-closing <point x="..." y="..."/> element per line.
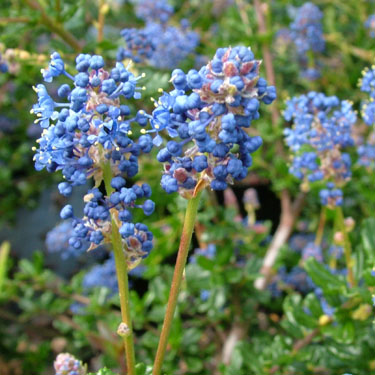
<point x="349" y="224"/>
<point x="338" y="238"/>
<point x="123" y="330"/>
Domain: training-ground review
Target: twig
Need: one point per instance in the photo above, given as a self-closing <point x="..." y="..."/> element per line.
<point x="103" y="8"/>
<point x="54" y="26"/>
<point x="5" y="20"/>
<point x="298" y="345"/>
<point x="289" y="215"/>
<point x="238" y="332"/>
<point x="244" y="16"/>
<point x="320" y="230"/>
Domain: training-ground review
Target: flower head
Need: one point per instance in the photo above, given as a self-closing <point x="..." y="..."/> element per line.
<point x="306" y="29"/>
<point x="307" y="34"/>
<point x="206" y="116"/>
<point x="66" y="364"/>
<point x="159" y="45"/>
<point x="88" y="135"/>
<point x="58" y="240"/>
<point x="153" y="10"/>
<point x="322" y="128"/>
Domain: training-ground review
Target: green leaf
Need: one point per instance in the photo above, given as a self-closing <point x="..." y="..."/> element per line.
<point x="342" y="333"/>
<point x="322" y="277"/>
<point x="205" y="263"/>
<point x="296" y="314"/>
<point x="368" y="238"/>
<point x="234" y="275"/>
<point x="195" y="365"/>
<point x="4" y="254"/>
<point x="312" y="304"/>
<point x="105" y="371"/>
<point x="142" y="369"/>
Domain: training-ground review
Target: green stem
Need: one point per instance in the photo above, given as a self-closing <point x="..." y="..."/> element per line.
<point x="187" y="231"/>
<point x="122" y="278"/>
<point x="347" y="246"/>
<point x="320" y="230"/>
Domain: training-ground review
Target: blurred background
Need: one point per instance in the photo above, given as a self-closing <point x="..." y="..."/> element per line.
<point x="53" y="299"/>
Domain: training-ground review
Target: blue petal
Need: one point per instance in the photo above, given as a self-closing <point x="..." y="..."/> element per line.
<point x="157" y="141"/>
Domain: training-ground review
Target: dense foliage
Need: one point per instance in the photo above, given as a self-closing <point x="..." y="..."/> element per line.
<point x="257" y="116"/>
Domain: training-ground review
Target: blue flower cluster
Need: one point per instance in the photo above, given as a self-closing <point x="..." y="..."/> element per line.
<point x="103" y="275"/>
<point x="312" y="250"/>
<point x="57" y="240"/>
<point x="306" y="29"/>
<point x="140" y="44"/>
<point x="322" y="128"/>
<point x="298" y="241"/>
<point x="367" y="84"/>
<point x="307" y="34"/>
<point x="3" y="65"/>
<point x="7" y="125"/>
<point x="208" y="252"/>
<point x="66" y="364"/>
<point x="87" y="134"/>
<point x="207" y="114"/>
<point x="366" y="153"/>
<point x="335" y="252"/>
<point x="331" y="196"/>
<point x="158" y="44"/>
<point x="370" y="25"/>
<point x="297" y="279"/>
<point x="153" y="10"/>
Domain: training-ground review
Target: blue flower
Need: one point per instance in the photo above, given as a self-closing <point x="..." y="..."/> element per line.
<point x="207" y="116"/>
<point x="370" y="25"/>
<point x="307" y="34"/>
<point x="45" y="109"/>
<point x="57" y="241"/>
<point x="322" y="128"/>
<point x="366" y="153"/>
<point x="3" y="65"/>
<point x="153" y="10"/>
<point x="159" y="45"/>
<point x="55" y="68"/>
<point x="90" y="129"/>
<point x="66" y="364"/>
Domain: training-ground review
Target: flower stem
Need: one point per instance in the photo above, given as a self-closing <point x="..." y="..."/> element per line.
<point x="103" y="8"/>
<point x="122" y="278"/>
<point x="187" y="231"/>
<point x="347" y="246"/>
<point x="320" y="230"/>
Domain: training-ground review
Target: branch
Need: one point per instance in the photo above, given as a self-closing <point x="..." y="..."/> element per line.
<point x="5" y="20"/>
<point x="300" y="344"/>
<point x="54" y="26"/>
<point x="237" y="333"/>
<point x="289" y="214"/>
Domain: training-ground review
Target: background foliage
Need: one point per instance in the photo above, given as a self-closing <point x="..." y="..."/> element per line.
<point x="225" y="325"/>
